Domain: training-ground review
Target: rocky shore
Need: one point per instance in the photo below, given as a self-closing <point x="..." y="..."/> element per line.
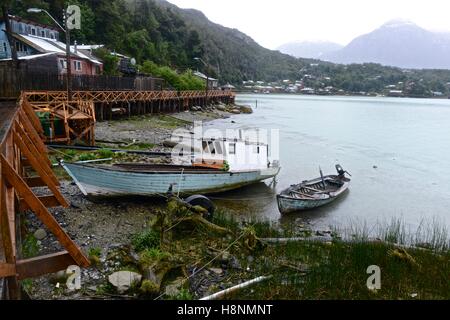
<point x="153" y="130"/>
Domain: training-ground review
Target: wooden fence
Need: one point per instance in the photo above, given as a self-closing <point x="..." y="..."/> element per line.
<point x="13" y="81"/>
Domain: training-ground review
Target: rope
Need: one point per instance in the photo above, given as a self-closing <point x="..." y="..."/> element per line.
<point x="65" y="154"/>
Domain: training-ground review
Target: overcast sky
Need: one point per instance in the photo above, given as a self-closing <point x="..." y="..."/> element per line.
<point x="274" y="22"/>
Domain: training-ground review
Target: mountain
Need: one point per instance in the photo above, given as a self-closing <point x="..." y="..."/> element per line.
<point x="233" y="54"/>
<point x="397" y="43"/>
<point x="309" y="49"/>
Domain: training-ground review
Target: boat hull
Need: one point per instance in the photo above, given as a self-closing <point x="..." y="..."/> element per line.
<point x="94" y="181"/>
<point x="289" y="205"/>
<point x="312" y="194"/>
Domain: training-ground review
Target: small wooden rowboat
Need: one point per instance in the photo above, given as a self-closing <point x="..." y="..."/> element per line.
<point x="313" y="193"/>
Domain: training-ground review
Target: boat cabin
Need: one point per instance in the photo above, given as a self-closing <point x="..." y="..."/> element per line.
<point x="232" y="154"/>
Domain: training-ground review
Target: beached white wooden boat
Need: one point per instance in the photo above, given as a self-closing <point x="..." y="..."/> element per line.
<point x="313" y="193"/>
<point x="146" y="179"/>
<point x="221" y="166"/>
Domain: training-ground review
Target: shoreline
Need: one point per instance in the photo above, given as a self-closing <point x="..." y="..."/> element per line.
<point x="154" y="129"/>
<point x="125" y="236"/>
<point x="338" y="95"/>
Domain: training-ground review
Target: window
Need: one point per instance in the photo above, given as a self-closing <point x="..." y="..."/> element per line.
<point x="212" y="150"/>
<point x="20" y="47"/>
<point x="43" y="33"/>
<point x="2" y="46"/>
<point x="33" y="31"/>
<point x="219" y="147"/>
<point x="232" y="148"/>
<point x="63" y="63"/>
<point x="256" y="149"/>
<point x="77" y="65"/>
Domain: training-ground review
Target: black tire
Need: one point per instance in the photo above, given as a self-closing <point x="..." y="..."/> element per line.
<point x="204" y="202"/>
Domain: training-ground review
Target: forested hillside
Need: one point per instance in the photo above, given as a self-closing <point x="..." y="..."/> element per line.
<point x="157" y="31"/>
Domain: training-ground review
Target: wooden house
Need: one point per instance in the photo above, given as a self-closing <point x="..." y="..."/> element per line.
<point x="32" y="40"/>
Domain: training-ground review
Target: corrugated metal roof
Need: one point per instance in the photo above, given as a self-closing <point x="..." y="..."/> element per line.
<point x="47" y="45"/>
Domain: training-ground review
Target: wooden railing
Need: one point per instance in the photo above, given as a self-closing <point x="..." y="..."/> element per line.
<point x="14" y="81"/>
<point x="22" y="151"/>
<point x="109" y="96"/>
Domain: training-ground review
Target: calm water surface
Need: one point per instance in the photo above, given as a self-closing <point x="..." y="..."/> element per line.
<point x="397" y="151"/>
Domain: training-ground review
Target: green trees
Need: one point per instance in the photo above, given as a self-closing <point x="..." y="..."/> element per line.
<point x="183" y="81"/>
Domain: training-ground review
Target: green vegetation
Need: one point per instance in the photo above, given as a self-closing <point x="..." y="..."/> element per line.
<point x="183" y="81"/>
<point x="154" y="121"/>
<point x="94" y="255"/>
<point x="30" y="246"/>
<point x="149" y="239"/>
<point x="336" y="269"/>
<point x="148" y="256"/>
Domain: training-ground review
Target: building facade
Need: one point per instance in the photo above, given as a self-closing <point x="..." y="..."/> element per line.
<point x="32" y="39"/>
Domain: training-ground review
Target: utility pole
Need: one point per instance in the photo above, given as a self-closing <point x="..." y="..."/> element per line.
<point x="207" y="77"/>
<point x="66" y="30"/>
<point x="68" y="58"/>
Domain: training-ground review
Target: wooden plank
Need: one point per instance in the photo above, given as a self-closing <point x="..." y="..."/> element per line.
<point x="38" y="266"/>
<point x="42" y="213"/>
<point x="48" y="201"/>
<point x="41" y="159"/>
<point x="33" y="182"/>
<point x="7" y="270"/>
<point x="25" y="162"/>
<point x="28" y="109"/>
<point x="32" y="133"/>
<point x="37" y="166"/>
<point x="8" y="235"/>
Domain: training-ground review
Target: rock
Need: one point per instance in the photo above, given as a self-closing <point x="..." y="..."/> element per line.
<point x="216" y="270"/>
<point x="221" y="107"/>
<point x="235" y="111"/>
<point x="40" y="234"/>
<point x="92" y="288"/>
<point x="246" y="109"/>
<point x="174" y="288"/>
<point x="122" y="255"/>
<point x="156" y="272"/>
<point x="375" y="167"/>
<point x="58" y="277"/>
<point x="123" y="280"/>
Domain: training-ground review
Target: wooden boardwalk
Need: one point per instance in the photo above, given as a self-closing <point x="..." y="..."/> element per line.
<point x="77" y="118"/>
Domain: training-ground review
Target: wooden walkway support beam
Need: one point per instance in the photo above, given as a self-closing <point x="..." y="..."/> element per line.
<point x="20" y="142"/>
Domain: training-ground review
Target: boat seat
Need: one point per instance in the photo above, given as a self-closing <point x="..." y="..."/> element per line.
<point x="312" y="189"/>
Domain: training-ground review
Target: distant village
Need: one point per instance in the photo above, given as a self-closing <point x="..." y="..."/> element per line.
<point x="310" y="84"/>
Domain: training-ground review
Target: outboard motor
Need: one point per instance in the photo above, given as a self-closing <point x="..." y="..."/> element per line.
<point x="341" y="172"/>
